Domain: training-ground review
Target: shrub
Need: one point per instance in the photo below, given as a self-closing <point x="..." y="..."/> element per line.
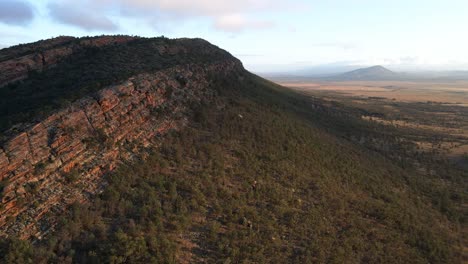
<point x="72" y="176"/>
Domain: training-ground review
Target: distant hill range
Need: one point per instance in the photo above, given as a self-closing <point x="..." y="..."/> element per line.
<point x="370" y="73"/>
<point x="374" y="73"/>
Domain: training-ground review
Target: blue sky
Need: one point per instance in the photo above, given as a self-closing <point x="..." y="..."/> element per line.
<point x="267" y="35"/>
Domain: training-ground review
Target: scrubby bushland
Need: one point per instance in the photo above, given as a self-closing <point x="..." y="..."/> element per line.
<point x="261" y="175"/>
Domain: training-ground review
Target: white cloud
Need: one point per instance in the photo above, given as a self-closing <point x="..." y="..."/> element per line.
<point x="229" y="16"/>
<point x="81" y="17"/>
<point x="237" y="23"/>
<point x="198" y="7"/>
<point x="15" y="12"/>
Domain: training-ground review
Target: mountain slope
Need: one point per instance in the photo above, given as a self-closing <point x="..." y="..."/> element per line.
<point x="252" y="172"/>
<point x="89" y="65"/>
<point x="367" y="74"/>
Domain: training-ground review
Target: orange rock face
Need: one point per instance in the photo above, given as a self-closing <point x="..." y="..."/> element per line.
<point x="90" y="138"/>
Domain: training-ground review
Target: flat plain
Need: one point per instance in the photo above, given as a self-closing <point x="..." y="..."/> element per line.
<point x="451" y="92"/>
<point x="435" y="113"/>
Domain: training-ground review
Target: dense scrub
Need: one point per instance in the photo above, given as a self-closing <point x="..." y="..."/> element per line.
<point x="438" y="177"/>
<point x="93" y="68"/>
<point x="260" y="176"/>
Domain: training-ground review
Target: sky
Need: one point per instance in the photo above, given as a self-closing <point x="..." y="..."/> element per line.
<point x="267" y="35"/>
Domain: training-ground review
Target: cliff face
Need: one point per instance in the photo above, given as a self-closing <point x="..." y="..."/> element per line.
<point x="61" y="159"/>
<point x="40" y="56"/>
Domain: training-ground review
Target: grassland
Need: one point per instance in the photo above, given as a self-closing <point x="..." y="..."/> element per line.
<point x="455" y="92"/>
<point x="430" y="118"/>
<point x="435" y="112"/>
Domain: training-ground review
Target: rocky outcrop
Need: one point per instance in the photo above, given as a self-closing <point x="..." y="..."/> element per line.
<point x="24" y="49"/>
<point x="61" y="159"/>
<point x="42" y="56"/>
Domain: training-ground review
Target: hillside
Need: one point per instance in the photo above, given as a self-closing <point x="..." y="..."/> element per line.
<point x="375" y="73"/>
<point x="169" y="151"/>
<point x="89" y="65"/>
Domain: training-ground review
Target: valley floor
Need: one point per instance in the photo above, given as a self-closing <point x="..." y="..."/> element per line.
<point x="431" y="116"/>
<point x="435" y="115"/>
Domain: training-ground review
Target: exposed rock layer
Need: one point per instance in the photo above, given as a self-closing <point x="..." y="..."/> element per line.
<point x="43" y="56"/>
<point x="61" y="159"/>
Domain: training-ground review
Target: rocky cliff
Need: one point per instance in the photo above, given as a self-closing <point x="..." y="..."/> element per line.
<point x="62" y="159"/>
<point x="17" y="62"/>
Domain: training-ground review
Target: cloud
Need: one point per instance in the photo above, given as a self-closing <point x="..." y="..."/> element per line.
<point x="229" y="16"/>
<point x="198" y="7"/>
<point x="238" y="23"/>
<point x="79" y="16"/>
<point x="16" y="12"/>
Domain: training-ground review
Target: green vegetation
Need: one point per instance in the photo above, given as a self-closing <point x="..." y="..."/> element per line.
<point x="93" y="68"/>
<point x="438" y="176"/>
<point x="39" y="168"/>
<point x="71" y="176"/>
<point x="38" y="46"/>
<point x="2" y="186"/>
<point x="32" y="187"/>
<point x="262" y="175"/>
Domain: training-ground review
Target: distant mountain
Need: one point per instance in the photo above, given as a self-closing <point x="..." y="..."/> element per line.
<point x="332" y="72"/>
<point x="365" y="74"/>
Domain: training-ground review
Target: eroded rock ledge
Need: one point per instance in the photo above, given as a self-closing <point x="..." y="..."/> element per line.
<point x="18" y="68"/>
<point x="62" y="159"/>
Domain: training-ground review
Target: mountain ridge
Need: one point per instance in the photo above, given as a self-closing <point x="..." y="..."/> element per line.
<point x="37" y="156"/>
<point x="376" y="72"/>
<point x="42" y="89"/>
<point x="187" y="157"/>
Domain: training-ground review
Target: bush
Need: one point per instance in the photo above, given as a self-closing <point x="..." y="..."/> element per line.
<point x="72" y="176"/>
